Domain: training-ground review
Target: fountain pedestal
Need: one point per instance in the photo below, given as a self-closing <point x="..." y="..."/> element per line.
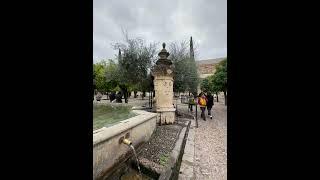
<point x="163" y="85"/>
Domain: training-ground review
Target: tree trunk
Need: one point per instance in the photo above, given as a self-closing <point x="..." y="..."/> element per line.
<point x="126" y="96"/>
<point x="154" y="93"/>
<point x="225" y="97"/>
<point x="217" y="97"/>
<point x="151" y="98"/>
<point x="143" y="94"/>
<point x="124" y="92"/>
<point x="135" y="94"/>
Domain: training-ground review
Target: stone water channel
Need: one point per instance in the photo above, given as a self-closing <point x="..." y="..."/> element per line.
<point x="166" y="140"/>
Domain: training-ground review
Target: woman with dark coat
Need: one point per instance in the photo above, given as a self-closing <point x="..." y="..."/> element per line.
<point x="210" y="103"/>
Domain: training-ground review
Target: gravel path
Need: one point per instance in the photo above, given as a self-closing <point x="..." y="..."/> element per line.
<point x="210" y="159"/>
<point x="211" y="145"/>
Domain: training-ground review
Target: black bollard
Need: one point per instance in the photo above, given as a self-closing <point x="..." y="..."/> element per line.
<point x="196" y="115"/>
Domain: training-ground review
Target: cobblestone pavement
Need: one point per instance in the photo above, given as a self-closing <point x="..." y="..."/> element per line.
<point x="210" y="144"/>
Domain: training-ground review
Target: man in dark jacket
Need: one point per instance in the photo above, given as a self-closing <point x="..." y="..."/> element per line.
<point x="112" y="96"/>
<point x="119" y="97"/>
<point x="210" y="104"/>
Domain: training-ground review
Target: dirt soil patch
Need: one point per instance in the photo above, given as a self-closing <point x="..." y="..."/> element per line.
<point x="162" y="142"/>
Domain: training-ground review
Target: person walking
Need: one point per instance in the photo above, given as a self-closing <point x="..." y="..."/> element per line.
<point x="210" y="104"/>
<point x="191" y="102"/>
<point x="202" y="101"/>
<point x="112" y="96"/>
<point x="119" y="97"/>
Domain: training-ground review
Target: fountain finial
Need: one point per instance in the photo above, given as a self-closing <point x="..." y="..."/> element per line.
<point x="163" y="56"/>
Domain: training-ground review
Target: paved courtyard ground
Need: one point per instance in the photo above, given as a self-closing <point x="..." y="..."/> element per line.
<point x="210" y="146"/>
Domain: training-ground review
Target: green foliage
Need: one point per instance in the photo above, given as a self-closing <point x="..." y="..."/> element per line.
<point x="218" y="81"/>
<point x="105" y="75"/>
<point x="98" y="73"/>
<point x="112" y="75"/>
<point x="192" y="78"/>
<point x="184" y="68"/>
<point x="205" y="85"/>
<point x="116" y="89"/>
<point x="135" y="62"/>
<point x="163" y="159"/>
<point x="132" y="72"/>
<point x="146" y="84"/>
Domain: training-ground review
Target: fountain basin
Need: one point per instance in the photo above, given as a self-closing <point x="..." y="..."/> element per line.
<point x="109" y="153"/>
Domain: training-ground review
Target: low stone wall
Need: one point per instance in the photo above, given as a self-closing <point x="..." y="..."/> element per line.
<point x="108" y="153"/>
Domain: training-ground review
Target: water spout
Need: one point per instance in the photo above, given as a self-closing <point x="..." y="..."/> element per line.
<point x="129" y="143"/>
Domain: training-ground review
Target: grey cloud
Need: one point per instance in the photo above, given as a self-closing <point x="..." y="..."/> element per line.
<point x="161" y="21"/>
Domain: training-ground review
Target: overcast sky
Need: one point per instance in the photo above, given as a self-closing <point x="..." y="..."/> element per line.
<point x="161" y="21"/>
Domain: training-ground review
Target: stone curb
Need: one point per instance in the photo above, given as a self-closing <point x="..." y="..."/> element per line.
<point x="186" y="169"/>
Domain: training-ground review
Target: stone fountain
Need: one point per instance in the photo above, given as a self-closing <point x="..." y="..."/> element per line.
<point x="163" y="85"/>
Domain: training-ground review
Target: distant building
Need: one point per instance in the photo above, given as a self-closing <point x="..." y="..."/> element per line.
<point x="207" y="67"/>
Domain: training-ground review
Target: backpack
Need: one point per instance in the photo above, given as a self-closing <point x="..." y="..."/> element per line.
<point x="202" y="101"/>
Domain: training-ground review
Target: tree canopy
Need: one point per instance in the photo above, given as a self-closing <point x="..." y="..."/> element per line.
<point x="218" y="81"/>
<point x="134" y="62"/>
<point x="184" y="67"/>
<point x="136" y="58"/>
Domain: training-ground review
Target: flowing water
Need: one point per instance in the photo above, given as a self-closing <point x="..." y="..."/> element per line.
<point x="135" y="154"/>
<point x="133" y="174"/>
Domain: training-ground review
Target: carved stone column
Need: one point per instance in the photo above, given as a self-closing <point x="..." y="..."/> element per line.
<point x="163" y="85"/>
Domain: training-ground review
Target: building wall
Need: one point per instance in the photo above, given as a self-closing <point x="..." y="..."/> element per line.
<point x="206" y="68"/>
